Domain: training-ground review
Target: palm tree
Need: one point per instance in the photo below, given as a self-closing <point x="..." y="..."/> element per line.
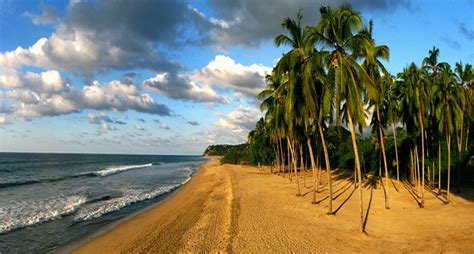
<point x="464" y="76"/>
<point x="392" y="109"/>
<point x="414" y="97"/>
<point x="449" y="111"/>
<point x="376" y="93"/>
<point x="291" y="66"/>
<point x="339" y="29"/>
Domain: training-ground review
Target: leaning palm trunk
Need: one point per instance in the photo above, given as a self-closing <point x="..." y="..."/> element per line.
<point x="382" y="143"/>
<point x="313" y="167"/>
<point x="295" y="166"/>
<point x="448" y="139"/>
<point x="290" y="166"/>
<point x="328" y="167"/>
<point x="396" y="151"/>
<point x="417" y="171"/>
<point x="282" y="155"/>
<point x="359" y="173"/>
<point x="467" y="137"/>
<point x="422" y="161"/>
<point x="303" y="165"/>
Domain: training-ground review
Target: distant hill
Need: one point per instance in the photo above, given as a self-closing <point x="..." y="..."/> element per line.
<point x="219" y="150"/>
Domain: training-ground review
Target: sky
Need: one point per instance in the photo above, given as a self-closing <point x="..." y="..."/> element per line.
<point x="172" y="77"/>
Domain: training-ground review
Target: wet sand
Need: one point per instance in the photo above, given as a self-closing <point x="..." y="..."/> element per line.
<point x="242" y="209"/>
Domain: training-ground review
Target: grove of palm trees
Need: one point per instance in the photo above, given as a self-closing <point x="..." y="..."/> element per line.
<point x="331" y="103"/>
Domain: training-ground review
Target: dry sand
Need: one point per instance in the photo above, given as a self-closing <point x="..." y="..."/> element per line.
<point x="230" y="208"/>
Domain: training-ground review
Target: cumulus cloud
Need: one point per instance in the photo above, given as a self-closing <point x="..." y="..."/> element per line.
<point x="139" y="127"/>
<point x="99" y="36"/>
<point x="4" y="120"/>
<point x="98" y="119"/>
<point x="108" y="127"/>
<point x="248" y="22"/>
<point x="49" y="15"/>
<point x="224" y="72"/>
<point x="180" y="87"/>
<point x="234" y="127"/>
<point x="49" y="94"/>
<point x="164" y="126"/>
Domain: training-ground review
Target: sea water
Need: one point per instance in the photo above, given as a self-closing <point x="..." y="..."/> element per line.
<point x="47" y="200"/>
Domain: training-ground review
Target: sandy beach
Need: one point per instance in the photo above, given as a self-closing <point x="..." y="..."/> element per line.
<point x="232" y="208"/>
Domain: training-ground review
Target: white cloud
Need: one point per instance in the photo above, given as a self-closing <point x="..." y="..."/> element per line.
<point x="49" y="15"/>
<point x="224" y="72"/>
<point x="182" y="88"/>
<point x="4" y="120"/>
<point x="108" y="127"/>
<point x="164" y="126"/>
<point x="49" y="94"/>
<point x="234" y="127"/>
<point x="139" y="127"/>
<point x="99" y="118"/>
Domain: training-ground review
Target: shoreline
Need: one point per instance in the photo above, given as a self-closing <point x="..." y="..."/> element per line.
<point x="236" y="208"/>
<point x="70" y="246"/>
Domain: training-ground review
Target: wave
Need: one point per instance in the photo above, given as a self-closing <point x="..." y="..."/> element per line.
<point x="118" y="169"/>
<point x="96" y="210"/>
<point x="26" y="213"/>
<point x="43" y="180"/>
<point x="105" y="172"/>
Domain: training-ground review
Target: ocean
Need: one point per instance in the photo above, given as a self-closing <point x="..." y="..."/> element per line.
<point x="47" y="200"/>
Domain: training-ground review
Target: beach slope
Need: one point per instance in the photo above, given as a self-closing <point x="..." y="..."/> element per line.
<point x="231" y="208"/>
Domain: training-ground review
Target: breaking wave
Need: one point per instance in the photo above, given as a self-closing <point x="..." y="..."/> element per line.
<point x="96" y="210"/>
<point x="21" y="214"/>
<point x="118" y="169"/>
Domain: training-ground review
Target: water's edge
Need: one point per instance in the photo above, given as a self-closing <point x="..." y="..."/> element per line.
<point x="74" y="244"/>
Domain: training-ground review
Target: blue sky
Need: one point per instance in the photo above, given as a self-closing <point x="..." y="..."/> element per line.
<point x="169" y="77"/>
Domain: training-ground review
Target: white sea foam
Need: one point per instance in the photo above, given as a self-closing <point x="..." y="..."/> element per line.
<point x="114" y="170"/>
<point x="21" y="214"/>
<point x="96" y="210"/>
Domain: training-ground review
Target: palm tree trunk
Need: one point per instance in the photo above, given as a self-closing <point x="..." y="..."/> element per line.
<point x="439" y="166"/>
<point x="422" y="161"/>
<point x="303" y="169"/>
<point x="417" y="176"/>
<point x="295" y="166"/>
<point x="328" y="166"/>
<point x="396" y="152"/>
<point x="448" y="137"/>
<point x="434" y="173"/>
<point x="313" y="166"/>
<point x="412" y="166"/>
<point x="277" y="155"/>
<point x="282" y="155"/>
<point x="359" y="173"/>
<point x="467" y="137"/>
<point x="458" y="166"/>
<point x="382" y="143"/>
<point x="290" y="165"/>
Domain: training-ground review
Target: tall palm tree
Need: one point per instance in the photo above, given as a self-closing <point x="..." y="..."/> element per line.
<point x="291" y="66"/>
<point x="392" y="109"/>
<point x="449" y="112"/>
<point x="376" y="93"/>
<point x="340" y="30"/>
<point x="414" y="97"/>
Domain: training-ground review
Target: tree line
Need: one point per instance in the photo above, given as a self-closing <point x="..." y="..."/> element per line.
<point x="333" y="78"/>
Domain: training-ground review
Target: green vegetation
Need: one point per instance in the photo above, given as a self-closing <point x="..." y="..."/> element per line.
<point x="219" y="150"/>
<point x="331" y="87"/>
